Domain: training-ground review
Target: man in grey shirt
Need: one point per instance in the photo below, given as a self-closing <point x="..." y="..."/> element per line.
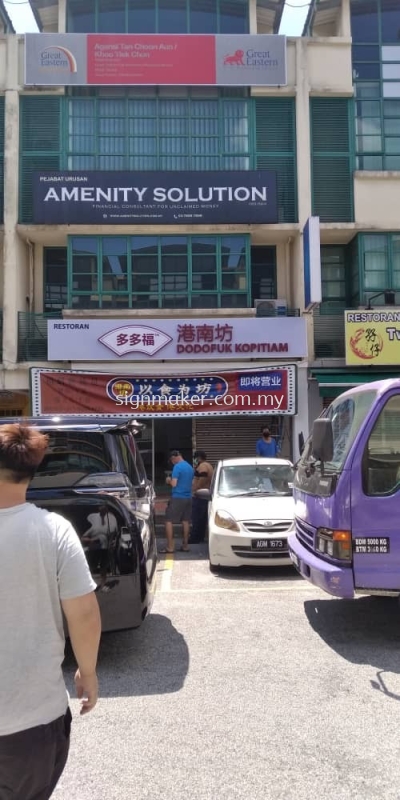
<point x="44" y="572"/>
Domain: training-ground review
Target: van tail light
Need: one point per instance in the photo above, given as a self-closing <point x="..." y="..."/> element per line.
<point x="334" y="543"/>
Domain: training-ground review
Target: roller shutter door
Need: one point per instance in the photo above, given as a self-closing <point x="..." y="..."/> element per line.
<point x="326" y="401"/>
<point x="231" y="437"/>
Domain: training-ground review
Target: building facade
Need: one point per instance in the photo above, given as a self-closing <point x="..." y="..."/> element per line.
<point x="328" y="135"/>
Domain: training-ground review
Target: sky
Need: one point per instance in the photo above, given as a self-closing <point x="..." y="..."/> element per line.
<point x="292" y="21"/>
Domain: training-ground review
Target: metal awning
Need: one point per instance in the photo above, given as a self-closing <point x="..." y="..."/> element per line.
<point x="332" y="383"/>
<point x="321" y="13"/>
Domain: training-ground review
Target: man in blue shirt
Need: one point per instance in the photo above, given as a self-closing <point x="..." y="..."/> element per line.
<point x="267" y="446"/>
<point x="179" y="509"/>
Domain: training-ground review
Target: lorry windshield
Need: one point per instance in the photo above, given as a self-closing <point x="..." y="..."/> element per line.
<point x="347" y="414"/>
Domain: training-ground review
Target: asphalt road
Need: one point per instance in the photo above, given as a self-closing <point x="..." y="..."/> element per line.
<point x="245" y="686"/>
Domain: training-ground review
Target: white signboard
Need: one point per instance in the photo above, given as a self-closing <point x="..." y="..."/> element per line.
<point x="172" y="339"/>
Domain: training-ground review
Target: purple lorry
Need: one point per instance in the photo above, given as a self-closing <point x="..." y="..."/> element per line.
<point x="347" y="495"/>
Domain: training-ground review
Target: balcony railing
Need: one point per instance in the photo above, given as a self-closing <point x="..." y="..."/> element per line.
<point x="329" y="341"/>
<point x="32" y="335"/>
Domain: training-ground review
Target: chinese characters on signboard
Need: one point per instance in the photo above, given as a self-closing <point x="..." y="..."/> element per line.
<point x="372" y="337"/>
<point x="169" y="339"/>
<point x="262" y="391"/>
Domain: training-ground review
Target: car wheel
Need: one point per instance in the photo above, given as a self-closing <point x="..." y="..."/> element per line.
<point x="214" y="568"/>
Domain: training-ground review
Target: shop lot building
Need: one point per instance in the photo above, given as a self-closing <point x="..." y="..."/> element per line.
<point x="328" y="135"/>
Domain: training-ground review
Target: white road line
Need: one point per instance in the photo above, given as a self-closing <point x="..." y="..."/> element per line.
<point x="237" y="589"/>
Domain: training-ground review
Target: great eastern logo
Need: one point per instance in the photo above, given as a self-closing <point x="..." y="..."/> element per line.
<point x="236" y="59"/>
<point x="60" y="58"/>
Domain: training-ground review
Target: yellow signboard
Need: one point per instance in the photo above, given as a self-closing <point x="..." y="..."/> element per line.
<point x="372" y="337"/>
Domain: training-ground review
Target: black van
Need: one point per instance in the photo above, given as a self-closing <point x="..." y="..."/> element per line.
<point x="93" y="475"/>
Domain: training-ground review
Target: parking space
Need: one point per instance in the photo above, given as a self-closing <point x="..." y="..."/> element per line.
<point x="249" y="684"/>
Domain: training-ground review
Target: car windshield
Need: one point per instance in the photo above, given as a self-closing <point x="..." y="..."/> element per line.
<point x="243" y="480"/>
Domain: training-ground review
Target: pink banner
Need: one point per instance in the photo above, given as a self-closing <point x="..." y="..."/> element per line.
<point x="151" y="59"/>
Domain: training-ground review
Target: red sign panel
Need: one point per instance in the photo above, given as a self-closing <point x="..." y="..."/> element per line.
<point x="263" y="391"/>
<point x="153" y="60"/>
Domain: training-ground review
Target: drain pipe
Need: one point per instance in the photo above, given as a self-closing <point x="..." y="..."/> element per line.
<point x="31" y="261"/>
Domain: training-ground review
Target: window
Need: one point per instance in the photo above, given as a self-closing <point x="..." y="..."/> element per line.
<point x="199" y="130"/>
<point x="263" y="273"/>
<point x="379" y="264"/>
<point x="55" y="278"/>
<point x="158" y="16"/>
<point x="158" y="272"/>
<point x="333" y="275"/>
<point x="381" y="463"/>
<point x="376" y="73"/>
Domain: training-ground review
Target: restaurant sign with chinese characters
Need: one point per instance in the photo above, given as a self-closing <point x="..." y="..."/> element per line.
<point x="170" y="339"/>
<point x="372" y="337"/>
<point x="260" y="391"/>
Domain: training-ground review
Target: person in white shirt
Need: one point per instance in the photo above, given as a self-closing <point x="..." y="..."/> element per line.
<point x="44" y="573"/>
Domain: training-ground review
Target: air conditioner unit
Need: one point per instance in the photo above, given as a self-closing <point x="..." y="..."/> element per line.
<point x="270" y="308"/>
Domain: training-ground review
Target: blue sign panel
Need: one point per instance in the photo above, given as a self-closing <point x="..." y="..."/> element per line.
<point x="155" y="198"/>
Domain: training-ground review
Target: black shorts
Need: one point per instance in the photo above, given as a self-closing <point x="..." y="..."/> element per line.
<point x="32" y="761"/>
<point x="179" y="509"/>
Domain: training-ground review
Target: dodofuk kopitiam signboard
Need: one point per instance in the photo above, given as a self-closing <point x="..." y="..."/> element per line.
<point x="109" y="198"/>
<point x="170" y="339"/>
<point x="268" y="390"/>
<point x="81" y="59"/>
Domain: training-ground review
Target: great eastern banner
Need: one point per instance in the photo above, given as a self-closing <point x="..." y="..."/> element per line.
<point x="262" y="391"/>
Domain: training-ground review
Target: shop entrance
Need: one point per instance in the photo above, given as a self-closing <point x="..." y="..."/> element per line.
<point x="220" y="437"/>
<point x="170" y="434"/>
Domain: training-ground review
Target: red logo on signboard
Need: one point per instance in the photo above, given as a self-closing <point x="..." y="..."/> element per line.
<point x="236" y="59"/>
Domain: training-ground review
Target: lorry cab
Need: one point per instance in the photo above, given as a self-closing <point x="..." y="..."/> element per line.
<point x="93" y="475"/>
<point x="347" y="495"/>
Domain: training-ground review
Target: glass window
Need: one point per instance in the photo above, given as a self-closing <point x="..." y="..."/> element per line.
<point x="381" y="463"/>
<point x="115" y="264"/>
<point x="203" y="16"/>
<point x="172" y="17"/>
<point x="333" y="273"/>
<point x="55" y="278"/>
<point x="81" y="16"/>
<point x="166" y="271"/>
<point x="346" y="417"/>
<point x="390" y="21"/>
<point x="142" y="16"/>
<point x="234" y="17"/>
<point x="375" y="263"/>
<point x="111" y="16"/>
<point x="364" y="21"/>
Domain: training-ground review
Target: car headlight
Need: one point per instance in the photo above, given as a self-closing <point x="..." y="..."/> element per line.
<point x="225" y="520"/>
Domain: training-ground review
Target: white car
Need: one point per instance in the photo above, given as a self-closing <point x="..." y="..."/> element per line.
<point x="250" y="512"/>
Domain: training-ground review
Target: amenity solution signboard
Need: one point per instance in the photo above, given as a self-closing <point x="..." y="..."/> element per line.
<point x="151" y="198"/>
<point x="372" y="337"/>
<point x="174" y="339"/>
<point x="86" y="59"/>
<point x="258" y="391"/>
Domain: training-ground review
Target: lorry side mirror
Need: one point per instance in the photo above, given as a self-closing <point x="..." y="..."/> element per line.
<point x="322" y="440"/>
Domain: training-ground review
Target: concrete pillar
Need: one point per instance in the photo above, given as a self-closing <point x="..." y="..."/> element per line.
<point x="14" y="252"/>
<point x="345" y="19"/>
<point x="62" y="16"/>
<point x="253" y="16"/>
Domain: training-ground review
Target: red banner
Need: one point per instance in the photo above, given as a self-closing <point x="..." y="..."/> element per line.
<point x="150" y="59"/>
<point x="263" y="391"/>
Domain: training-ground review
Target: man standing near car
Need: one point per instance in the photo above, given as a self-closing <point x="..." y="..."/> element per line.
<point x="203" y="474"/>
<point x="179" y="509"/>
<point x="44" y="573"/>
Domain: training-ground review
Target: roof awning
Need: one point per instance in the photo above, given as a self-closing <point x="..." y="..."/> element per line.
<point x="332" y="383"/>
